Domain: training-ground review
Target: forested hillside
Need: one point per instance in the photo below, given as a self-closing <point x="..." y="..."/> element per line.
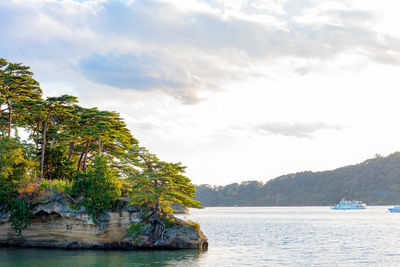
<point x="374" y="181"/>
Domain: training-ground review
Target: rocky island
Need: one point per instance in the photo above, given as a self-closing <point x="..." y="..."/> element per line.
<point x="79" y="179"/>
<point x="55" y="225"/>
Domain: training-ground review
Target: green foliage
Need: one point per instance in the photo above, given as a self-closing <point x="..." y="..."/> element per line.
<point x="56" y="185"/>
<point x="169" y="222"/>
<point x="136" y="229"/>
<point x="158" y="184"/>
<point x="145" y="212"/>
<point x="101" y="133"/>
<point x="99" y="186"/>
<point x="13" y="169"/>
<point x="16" y="86"/>
<point x="194" y="224"/>
<point x="57" y="165"/>
<point x="79" y="151"/>
<point x="54" y="106"/>
<point x="20" y="215"/>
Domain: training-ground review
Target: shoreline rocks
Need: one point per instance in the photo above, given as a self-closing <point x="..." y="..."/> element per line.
<point x="180" y="209"/>
<point x="56" y="225"/>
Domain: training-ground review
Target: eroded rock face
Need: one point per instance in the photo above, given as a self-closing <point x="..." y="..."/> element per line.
<point x="180" y="209"/>
<point x="168" y="233"/>
<point x="56" y="225"/>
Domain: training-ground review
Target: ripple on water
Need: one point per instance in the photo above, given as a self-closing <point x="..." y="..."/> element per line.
<point x="269" y="236"/>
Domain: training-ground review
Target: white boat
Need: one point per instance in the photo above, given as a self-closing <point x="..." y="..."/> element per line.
<point x="349" y="205"/>
<point x="395" y="209"/>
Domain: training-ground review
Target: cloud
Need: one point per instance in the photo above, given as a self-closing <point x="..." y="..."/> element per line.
<point x="293" y="129"/>
<point x="319" y="33"/>
<point x="141" y="72"/>
<point x="186" y="50"/>
<point x="144" y="125"/>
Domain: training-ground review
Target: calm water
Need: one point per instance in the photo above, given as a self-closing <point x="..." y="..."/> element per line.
<point x="295" y="236"/>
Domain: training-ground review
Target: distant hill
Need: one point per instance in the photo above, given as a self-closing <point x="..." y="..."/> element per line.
<point x="375" y="181"/>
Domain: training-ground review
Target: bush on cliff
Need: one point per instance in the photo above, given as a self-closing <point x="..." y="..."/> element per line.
<point x="158" y="184"/>
<point x="99" y="186"/>
<point x="57" y="165"/>
<point x="13" y="170"/>
<point x="20" y="215"/>
<point x="56" y="186"/>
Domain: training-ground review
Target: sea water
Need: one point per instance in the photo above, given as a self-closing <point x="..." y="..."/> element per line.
<point x="255" y="236"/>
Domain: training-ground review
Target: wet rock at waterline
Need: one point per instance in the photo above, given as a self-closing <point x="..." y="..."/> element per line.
<point x="56" y="225"/>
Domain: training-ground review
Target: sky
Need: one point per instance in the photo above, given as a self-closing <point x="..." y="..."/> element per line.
<point x="236" y="90"/>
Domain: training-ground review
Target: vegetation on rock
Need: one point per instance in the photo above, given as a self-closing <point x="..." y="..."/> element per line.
<point x="156" y="183"/>
<point x="162" y="229"/>
<point x="20" y="215"/>
<point x="86" y="154"/>
<point x="99" y="186"/>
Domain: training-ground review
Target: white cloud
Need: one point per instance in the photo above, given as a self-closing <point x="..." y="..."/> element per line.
<point x="294" y="129"/>
<point x="307" y="66"/>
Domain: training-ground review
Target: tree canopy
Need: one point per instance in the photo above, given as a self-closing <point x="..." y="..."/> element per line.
<point x="17" y="86"/>
<point x="156" y="183"/>
<point x="87" y="153"/>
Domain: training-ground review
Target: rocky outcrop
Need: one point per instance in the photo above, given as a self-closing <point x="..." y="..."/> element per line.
<point x="180" y="209"/>
<point x="56" y="225"/>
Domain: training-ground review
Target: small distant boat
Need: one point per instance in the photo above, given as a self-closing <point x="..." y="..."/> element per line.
<point x="349" y="205"/>
<point x="395" y="209"/>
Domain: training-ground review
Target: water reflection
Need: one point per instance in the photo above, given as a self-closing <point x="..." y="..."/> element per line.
<point x="254" y="236"/>
<point x="20" y="257"/>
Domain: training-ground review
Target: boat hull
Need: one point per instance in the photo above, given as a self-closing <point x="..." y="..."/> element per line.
<point x="347" y="208"/>
<point x="349" y="205"/>
<point x="394" y="210"/>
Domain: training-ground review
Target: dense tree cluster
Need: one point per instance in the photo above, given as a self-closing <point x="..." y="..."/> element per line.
<point x="375" y="182"/>
<point x="85" y="152"/>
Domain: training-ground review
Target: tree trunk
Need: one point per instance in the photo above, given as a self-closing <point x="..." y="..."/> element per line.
<point x="52" y="141"/>
<point x="81" y="157"/>
<point x="43" y="146"/>
<point x="100" y="146"/>
<point x="86" y="152"/>
<point x="158" y="205"/>
<point x="9" y="123"/>
<point x="157" y="199"/>
<point x="9" y="119"/>
<point x="71" y="148"/>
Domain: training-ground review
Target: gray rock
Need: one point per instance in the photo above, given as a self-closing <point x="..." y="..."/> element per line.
<point x="56" y="225"/>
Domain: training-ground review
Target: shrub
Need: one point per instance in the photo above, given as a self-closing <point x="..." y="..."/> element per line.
<point x="13" y="169"/>
<point x="57" y="165"/>
<point x="56" y="185"/>
<point x="194" y="224"/>
<point x="20" y="215"/>
<point x="136" y="229"/>
<point x="169" y="222"/>
<point x="29" y="191"/>
<point x="99" y="186"/>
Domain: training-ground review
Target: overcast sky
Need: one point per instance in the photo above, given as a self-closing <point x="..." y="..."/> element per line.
<point x="234" y="89"/>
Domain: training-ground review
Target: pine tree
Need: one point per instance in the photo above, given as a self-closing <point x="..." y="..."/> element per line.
<point x="105" y="128"/>
<point x="158" y="184"/>
<point x="16" y="86"/>
<point x="60" y="106"/>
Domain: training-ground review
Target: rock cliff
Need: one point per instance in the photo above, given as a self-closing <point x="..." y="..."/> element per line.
<point x="180" y="209"/>
<point x="56" y="225"/>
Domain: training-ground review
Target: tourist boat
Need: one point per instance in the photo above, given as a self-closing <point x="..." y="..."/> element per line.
<point x="395" y="209"/>
<point x="349" y="205"/>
